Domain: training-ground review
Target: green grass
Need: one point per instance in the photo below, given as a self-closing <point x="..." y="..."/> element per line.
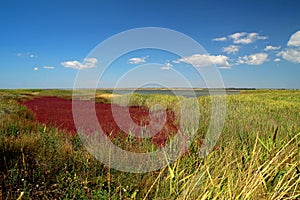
<point x="256" y="157"/>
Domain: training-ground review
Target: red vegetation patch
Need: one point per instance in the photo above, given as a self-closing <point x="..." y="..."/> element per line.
<point x="57" y="111"/>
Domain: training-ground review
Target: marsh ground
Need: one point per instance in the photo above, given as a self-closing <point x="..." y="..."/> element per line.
<point x="256" y="157"/>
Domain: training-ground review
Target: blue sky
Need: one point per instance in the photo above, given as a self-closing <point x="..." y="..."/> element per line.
<point x="44" y="44"/>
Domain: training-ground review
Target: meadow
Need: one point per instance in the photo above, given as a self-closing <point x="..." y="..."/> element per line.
<point x="256" y="157"/>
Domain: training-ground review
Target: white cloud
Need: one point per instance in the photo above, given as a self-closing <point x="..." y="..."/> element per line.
<point x="32" y="56"/>
<point x="48" y="67"/>
<point x="277" y="60"/>
<point x="231" y="49"/>
<point x="137" y="60"/>
<point x="220" y="39"/>
<point x="292" y="55"/>
<point x="246" y="38"/>
<point x="203" y="60"/>
<point x="167" y="66"/>
<point x="27" y="54"/>
<point x="271" y="48"/>
<point x="236" y="36"/>
<point x="87" y="63"/>
<point x="254" y="59"/>
<point x="294" y="40"/>
<point x="36" y="69"/>
<point x="259" y="37"/>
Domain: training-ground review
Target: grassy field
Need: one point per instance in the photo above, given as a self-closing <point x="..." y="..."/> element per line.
<point x="256" y="157"/>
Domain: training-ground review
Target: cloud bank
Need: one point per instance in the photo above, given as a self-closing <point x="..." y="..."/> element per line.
<point x="254" y="59"/>
<point x="87" y="63"/>
<point x="277" y="60"/>
<point x="294" y="40"/>
<point x="242" y="37"/>
<point x="137" y="60"/>
<point x="292" y="55"/>
<point x="220" y="39"/>
<point x="271" y="48"/>
<point x="204" y="60"/>
<point x="48" y="67"/>
<point x="167" y="66"/>
<point x="292" y="52"/>
<point x="246" y="38"/>
<point x="231" y="49"/>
